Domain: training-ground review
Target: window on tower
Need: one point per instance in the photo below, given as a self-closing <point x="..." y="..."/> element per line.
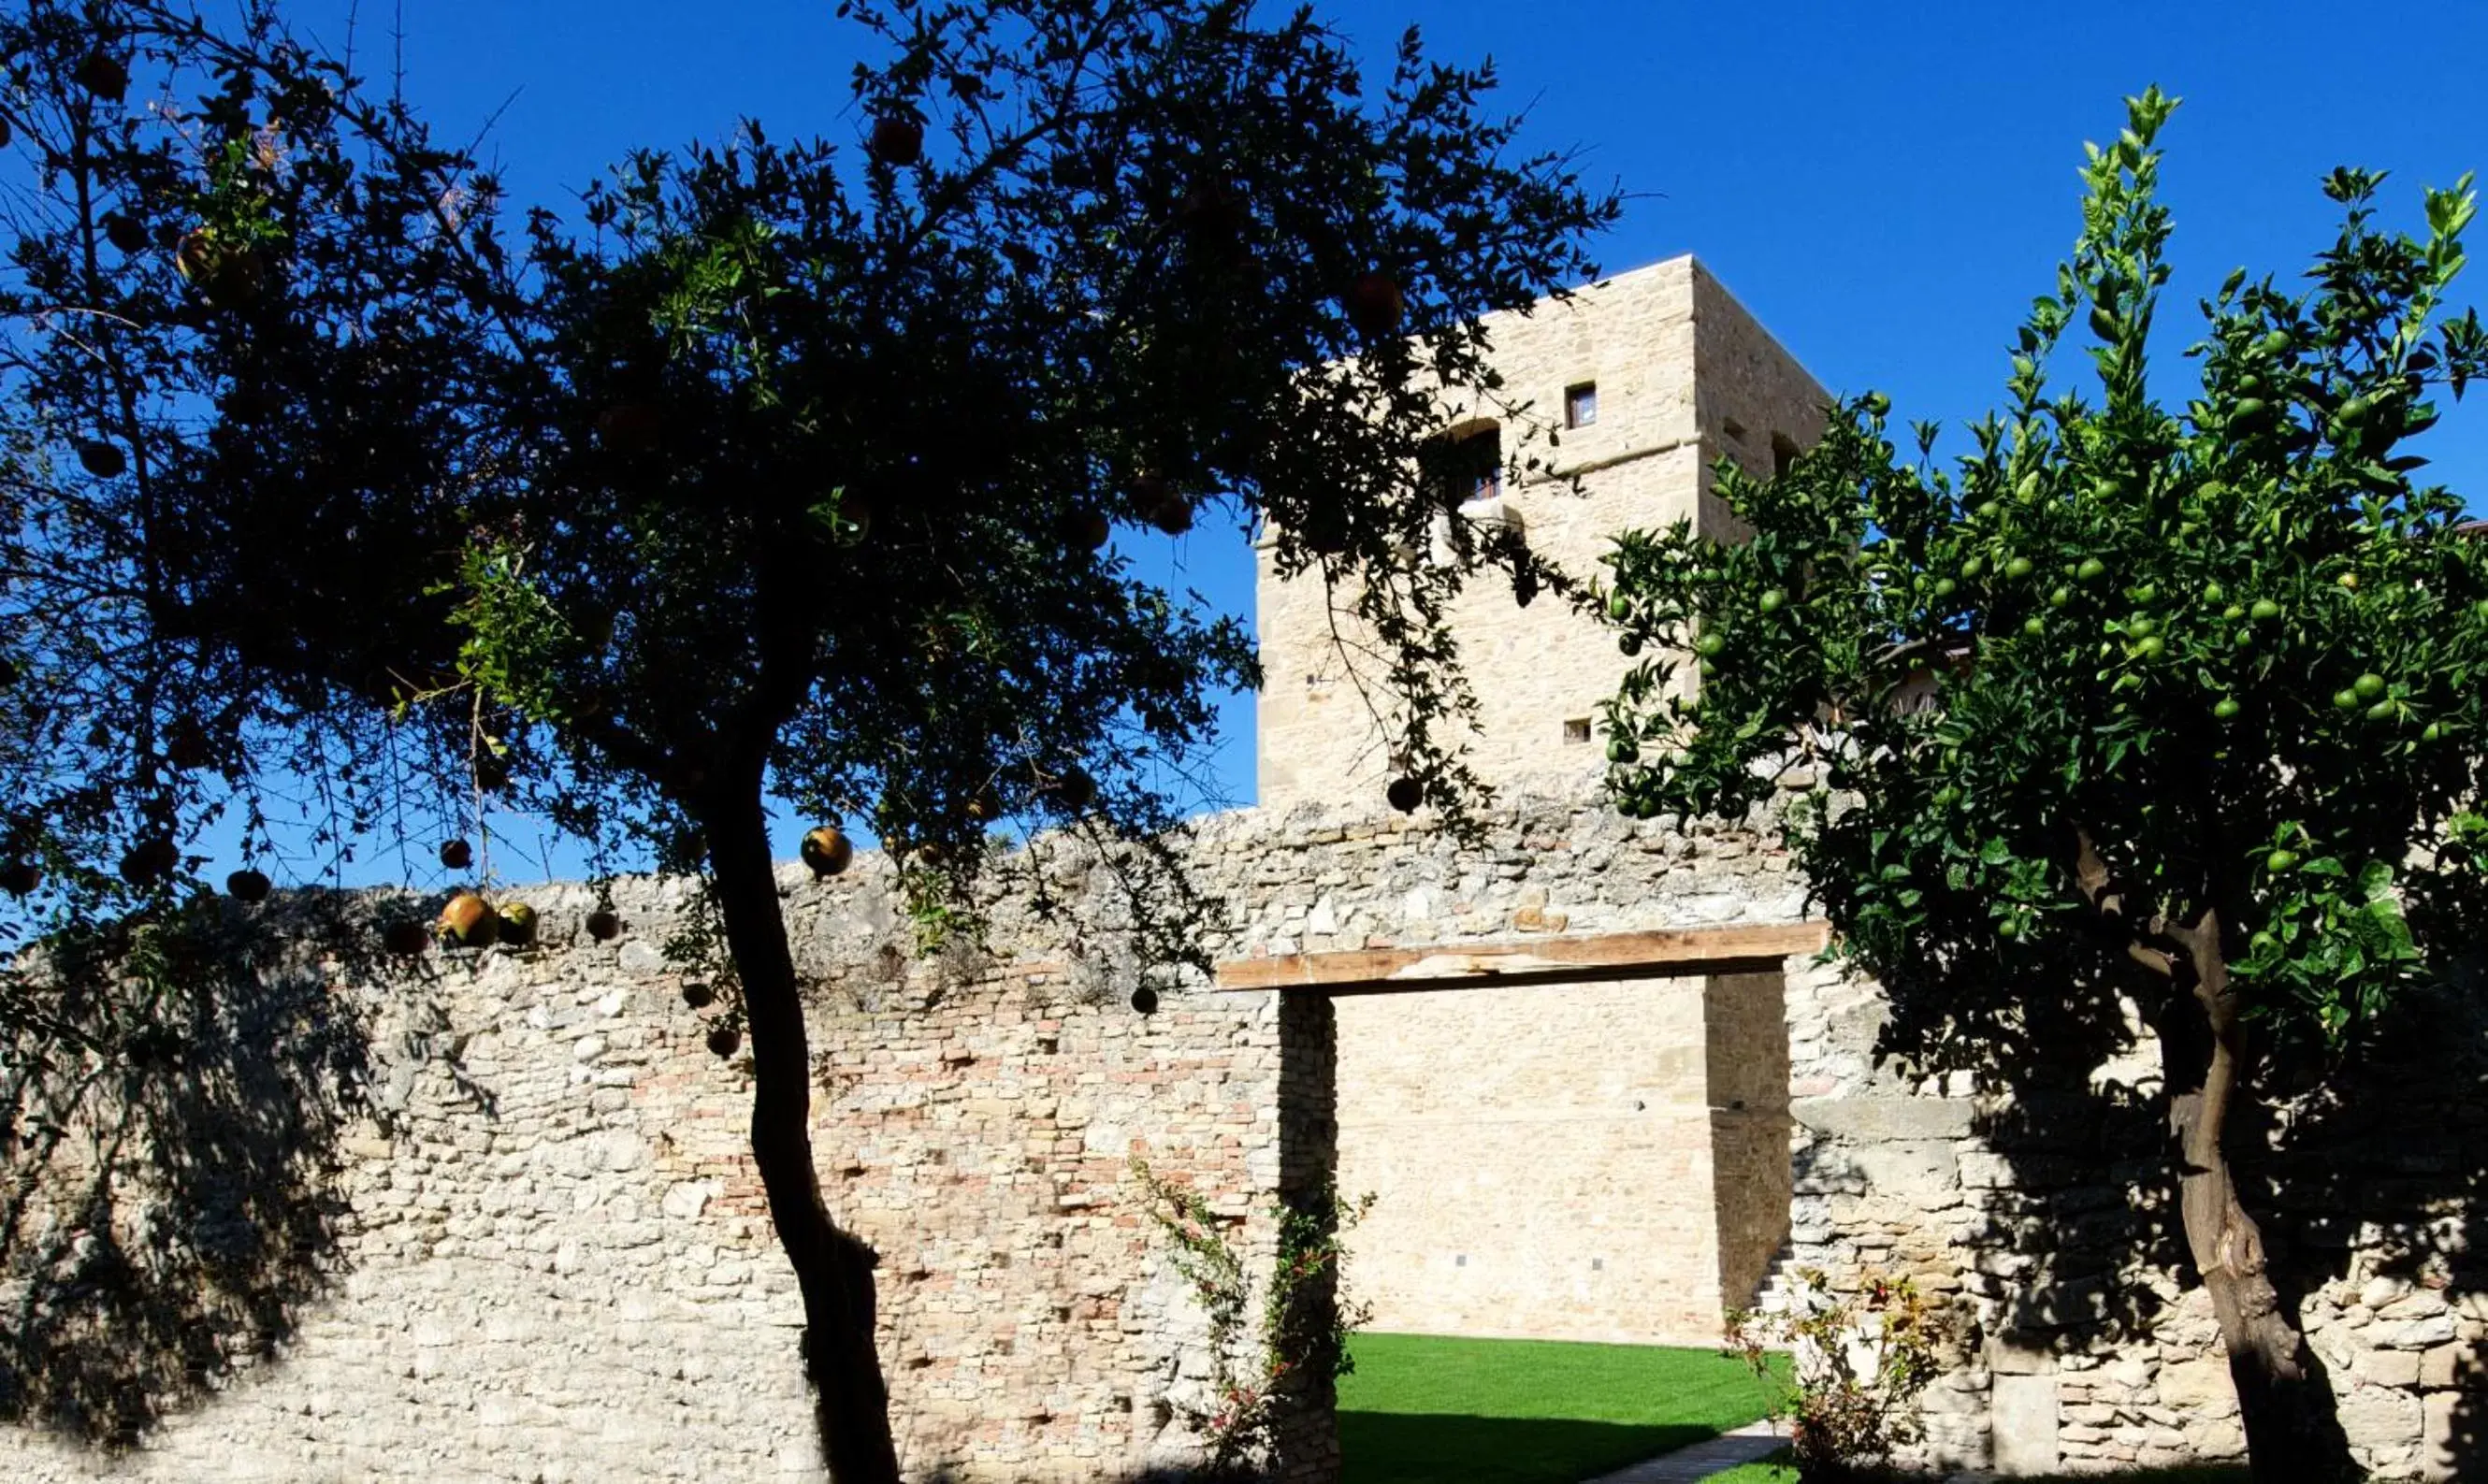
<point x="1465" y="463"/>
<point x="1784" y="452"/>
<point x="1581" y="404"/>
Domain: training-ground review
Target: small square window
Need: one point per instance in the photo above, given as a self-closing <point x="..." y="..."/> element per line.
<point x="1577" y="730"/>
<point x="1581" y="404"/>
<point x="1784" y="452"/>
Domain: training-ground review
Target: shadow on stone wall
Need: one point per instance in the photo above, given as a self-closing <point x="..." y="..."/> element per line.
<point x="2376" y="1185"/>
<point x="171" y="1101"/>
<point x="2363" y="1188"/>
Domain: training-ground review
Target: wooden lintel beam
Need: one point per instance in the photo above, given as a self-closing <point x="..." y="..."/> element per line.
<point x="1662" y="953"/>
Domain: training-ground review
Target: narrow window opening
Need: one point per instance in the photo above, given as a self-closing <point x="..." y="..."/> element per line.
<point x="1581" y="404"/>
<point x="1784" y="453"/>
<point x="1460" y="1260"/>
<point x="1465" y="464"/>
<point x="1734" y="429"/>
<point x="1577" y="730"/>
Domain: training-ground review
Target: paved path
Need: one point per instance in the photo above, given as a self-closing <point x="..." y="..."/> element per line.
<point x="1753" y="1440"/>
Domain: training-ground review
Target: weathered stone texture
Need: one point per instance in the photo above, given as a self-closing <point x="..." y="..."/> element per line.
<point x="553" y="1261"/>
<point x="1685" y="378"/>
<point x="556" y="1262"/>
<point x="1540" y="1159"/>
<point x="2049" y="1213"/>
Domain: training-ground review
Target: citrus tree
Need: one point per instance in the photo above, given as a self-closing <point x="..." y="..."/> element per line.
<point x="777" y="470"/>
<point x="2180" y="702"/>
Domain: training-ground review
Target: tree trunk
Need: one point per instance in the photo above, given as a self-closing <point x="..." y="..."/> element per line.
<point x="2285" y="1410"/>
<point x="851" y="1406"/>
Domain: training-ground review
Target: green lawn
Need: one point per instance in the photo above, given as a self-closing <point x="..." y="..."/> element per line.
<point x="1772" y="1473"/>
<point x="1424" y="1410"/>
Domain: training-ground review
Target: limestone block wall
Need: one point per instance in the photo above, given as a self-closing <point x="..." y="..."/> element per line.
<point x="1540" y="1157"/>
<point x="535" y="1246"/>
<point x="549" y="1258"/>
<point x="489" y="1218"/>
<point x="1555" y="1161"/>
<point x="2048" y="1213"/>
<point x="1685" y="378"/>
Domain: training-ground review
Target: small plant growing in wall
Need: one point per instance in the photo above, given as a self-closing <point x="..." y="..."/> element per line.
<point x="1858" y="1362"/>
<point x="1306" y="1315"/>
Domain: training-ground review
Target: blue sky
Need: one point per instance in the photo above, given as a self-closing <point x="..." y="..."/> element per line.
<point x="1885" y="187"/>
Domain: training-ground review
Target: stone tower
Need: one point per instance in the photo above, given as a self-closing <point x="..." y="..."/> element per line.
<point x="1598" y="1159"/>
<point x="1636" y="387"/>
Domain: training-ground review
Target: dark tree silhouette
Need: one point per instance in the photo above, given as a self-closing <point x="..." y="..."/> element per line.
<point x="2180" y="708"/>
<point x="776" y="469"/>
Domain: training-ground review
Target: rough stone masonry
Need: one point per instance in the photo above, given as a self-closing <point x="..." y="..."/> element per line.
<point x="491" y="1216"/>
<point x="550" y="1261"/>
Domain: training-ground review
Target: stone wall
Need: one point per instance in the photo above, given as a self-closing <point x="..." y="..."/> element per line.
<point x="542" y="1251"/>
<point x="1685" y="378"/>
<point x="1551" y="1162"/>
<point x="551" y="1258"/>
<point x="2047" y="1212"/>
<point x="516" y="1235"/>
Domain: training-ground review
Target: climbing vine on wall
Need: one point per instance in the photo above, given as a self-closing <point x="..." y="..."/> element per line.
<point x="1306" y="1314"/>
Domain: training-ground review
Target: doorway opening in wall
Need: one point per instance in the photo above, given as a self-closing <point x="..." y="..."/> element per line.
<point x="1574" y="1174"/>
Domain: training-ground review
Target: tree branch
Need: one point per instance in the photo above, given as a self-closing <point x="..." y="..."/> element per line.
<point x="2099" y="889"/>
